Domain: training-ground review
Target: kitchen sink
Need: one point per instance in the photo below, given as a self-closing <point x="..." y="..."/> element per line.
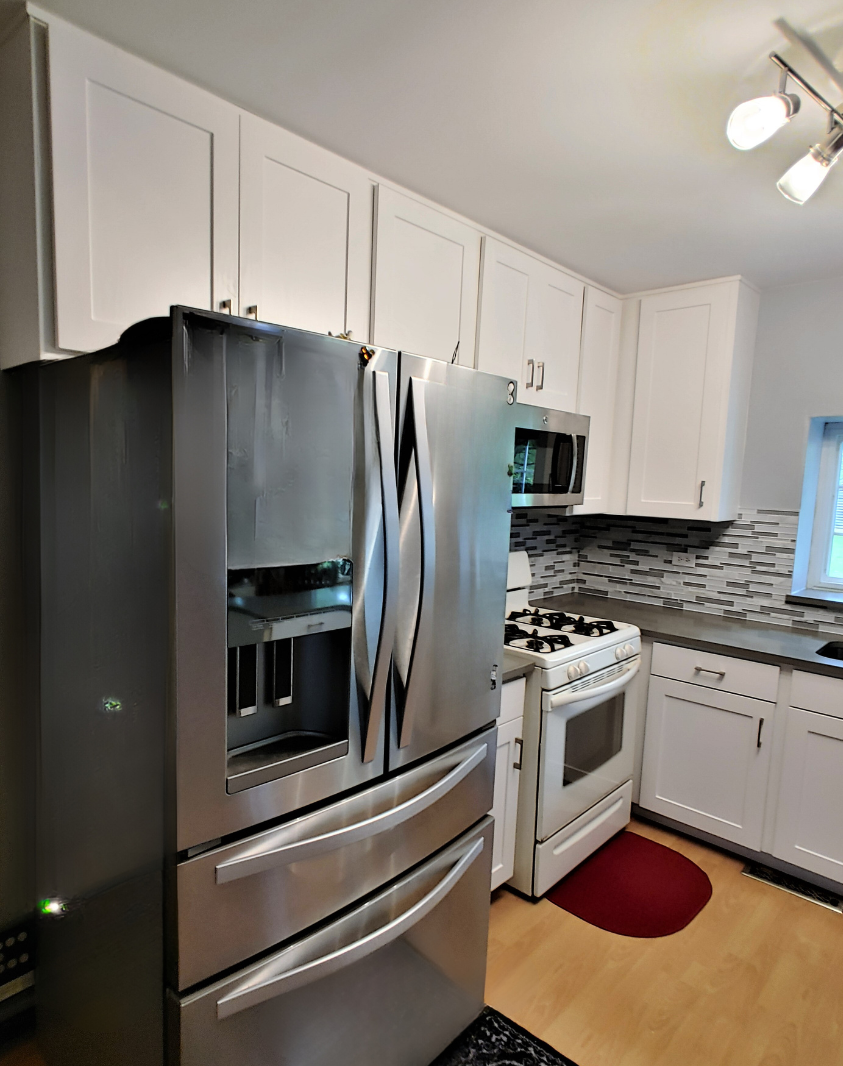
<point x="832" y="650"/>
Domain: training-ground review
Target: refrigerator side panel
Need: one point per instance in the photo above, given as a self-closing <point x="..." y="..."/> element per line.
<point x="454" y="450"/>
<point x="104" y="623"/>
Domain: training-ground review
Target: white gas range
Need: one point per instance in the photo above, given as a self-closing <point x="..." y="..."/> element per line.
<point x="576" y="776"/>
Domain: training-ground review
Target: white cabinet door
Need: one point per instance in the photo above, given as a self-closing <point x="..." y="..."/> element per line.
<point x="682" y="382"/>
<point x="145" y="190"/>
<point x="706" y="759"/>
<point x="530" y="325"/>
<point x="809" y="815"/>
<point x="305" y="233"/>
<point x="505" y="806"/>
<point x="427" y="267"/>
<point x="601" y="335"/>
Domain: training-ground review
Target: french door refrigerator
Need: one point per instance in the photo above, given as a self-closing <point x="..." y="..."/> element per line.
<point x="268" y="575"/>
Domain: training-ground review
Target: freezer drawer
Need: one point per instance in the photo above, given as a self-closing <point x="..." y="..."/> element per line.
<point x="239" y="900"/>
<point x="392" y="982"/>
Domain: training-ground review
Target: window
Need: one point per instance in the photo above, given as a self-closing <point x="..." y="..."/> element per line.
<point x="818" y="566"/>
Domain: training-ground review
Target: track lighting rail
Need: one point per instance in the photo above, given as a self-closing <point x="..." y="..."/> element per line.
<point x="809" y="90"/>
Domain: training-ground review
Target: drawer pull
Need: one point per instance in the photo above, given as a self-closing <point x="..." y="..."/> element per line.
<point x="517" y="764"/>
<point x="760" y="727"/>
<point x="708" y="670"/>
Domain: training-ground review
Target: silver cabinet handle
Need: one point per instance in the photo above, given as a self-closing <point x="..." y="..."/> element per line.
<point x="702" y="486"/>
<point x="517" y="764"/>
<point x="760" y="727"/>
<point x="389" y="613"/>
<point x="252" y="312"/>
<point x="276" y="849"/>
<point x="531" y="363"/>
<point x="276" y="976"/>
<point x="708" y="670"/>
<point x="419" y="651"/>
<point x="226" y="306"/>
<point x="540" y="383"/>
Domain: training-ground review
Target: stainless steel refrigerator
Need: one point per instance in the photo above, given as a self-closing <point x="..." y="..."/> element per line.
<point x="268" y="576"/>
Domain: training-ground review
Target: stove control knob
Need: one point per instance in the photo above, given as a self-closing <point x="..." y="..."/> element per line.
<point x="630" y="650"/>
<point x="573" y="672"/>
<point x="620" y="651"/>
<point x="583" y="668"/>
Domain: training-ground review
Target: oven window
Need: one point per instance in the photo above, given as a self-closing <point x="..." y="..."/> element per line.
<point x="592" y="738"/>
<point x="544" y="462"/>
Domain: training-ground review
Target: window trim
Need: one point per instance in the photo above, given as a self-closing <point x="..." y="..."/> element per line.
<point x="815" y="530"/>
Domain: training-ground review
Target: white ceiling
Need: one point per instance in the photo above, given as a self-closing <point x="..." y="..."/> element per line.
<point x="589" y="130"/>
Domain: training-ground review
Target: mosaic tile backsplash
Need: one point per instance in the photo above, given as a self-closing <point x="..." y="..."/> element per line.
<point x="740" y="569"/>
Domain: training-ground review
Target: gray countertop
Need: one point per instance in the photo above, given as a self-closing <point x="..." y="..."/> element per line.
<point x="709" y="632"/>
<point x="513" y="667"/>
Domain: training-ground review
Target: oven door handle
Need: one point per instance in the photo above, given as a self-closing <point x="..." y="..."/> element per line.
<point x="551" y="701"/>
<point x="277" y="976"/>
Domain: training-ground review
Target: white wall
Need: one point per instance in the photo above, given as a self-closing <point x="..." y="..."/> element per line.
<point x="798" y="373"/>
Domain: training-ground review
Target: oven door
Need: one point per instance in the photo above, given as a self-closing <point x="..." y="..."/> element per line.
<point x="549" y="456"/>
<point x="587" y="740"/>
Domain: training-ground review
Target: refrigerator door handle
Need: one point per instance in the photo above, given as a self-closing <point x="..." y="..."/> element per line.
<point x="270" y="854"/>
<point x="427" y="524"/>
<point x="276" y="977"/>
<point x="389" y="506"/>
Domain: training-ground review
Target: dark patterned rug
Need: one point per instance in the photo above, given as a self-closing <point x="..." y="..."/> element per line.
<point x="494" y="1040"/>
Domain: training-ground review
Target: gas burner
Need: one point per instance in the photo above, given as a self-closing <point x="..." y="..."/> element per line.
<point x="532" y="617"/>
<point x="516" y="637"/>
<point x="594" y="627"/>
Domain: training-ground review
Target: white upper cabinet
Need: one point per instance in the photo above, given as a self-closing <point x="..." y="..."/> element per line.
<point x="695" y="348"/>
<point x="305" y="233"/>
<point x="530" y="325"/>
<point x="426" y="273"/>
<point x="601" y="334"/>
<point x="145" y="190"/>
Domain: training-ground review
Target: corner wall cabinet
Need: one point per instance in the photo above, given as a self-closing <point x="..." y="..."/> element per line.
<point x="305" y="233"/>
<point x="530" y="325"/>
<point x="695" y="350"/>
<point x="507" y="777"/>
<point x="598" y="379"/>
<point x="425" y="279"/>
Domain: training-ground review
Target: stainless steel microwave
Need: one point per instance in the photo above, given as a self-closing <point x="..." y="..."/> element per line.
<point x="548" y="468"/>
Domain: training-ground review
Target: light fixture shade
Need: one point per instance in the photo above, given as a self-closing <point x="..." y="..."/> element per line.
<point x="807" y="174"/>
<point x="753" y="122"/>
<point x="804" y="177"/>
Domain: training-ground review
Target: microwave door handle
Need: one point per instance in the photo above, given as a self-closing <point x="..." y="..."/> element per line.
<point x="575" y="453"/>
<point x="427" y="522"/>
<point x="389" y="612"/>
<point x="277" y="976"/>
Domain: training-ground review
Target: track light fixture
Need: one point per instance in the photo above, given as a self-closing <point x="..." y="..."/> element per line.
<point x="755" y="121"/>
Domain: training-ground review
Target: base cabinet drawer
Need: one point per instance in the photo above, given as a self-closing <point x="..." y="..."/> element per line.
<point x="238" y="900"/>
<point x="721" y="672"/>
<point x="809" y="816"/>
<point x="392" y="981"/>
<point x="706" y="759"/>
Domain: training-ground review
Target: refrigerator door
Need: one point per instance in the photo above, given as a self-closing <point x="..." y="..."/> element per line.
<point x="393" y="981"/>
<point x="455" y="442"/>
<point x="239" y="900"/>
<point x="285" y="529"/>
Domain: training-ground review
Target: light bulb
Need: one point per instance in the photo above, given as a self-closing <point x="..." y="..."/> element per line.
<point x="752" y="123"/>
<point x="805" y="176"/>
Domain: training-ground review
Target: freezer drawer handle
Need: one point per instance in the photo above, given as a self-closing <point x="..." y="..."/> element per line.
<point x="269" y="856"/>
<point x="267" y="984"/>
<point x="559" y="699"/>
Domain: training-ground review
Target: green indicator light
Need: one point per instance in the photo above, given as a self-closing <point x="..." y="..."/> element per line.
<point x="52" y="906"/>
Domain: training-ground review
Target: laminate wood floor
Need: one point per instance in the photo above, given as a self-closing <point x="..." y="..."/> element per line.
<point x="755" y="980"/>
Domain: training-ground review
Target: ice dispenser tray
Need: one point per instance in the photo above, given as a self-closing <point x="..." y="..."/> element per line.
<point x="289" y="661"/>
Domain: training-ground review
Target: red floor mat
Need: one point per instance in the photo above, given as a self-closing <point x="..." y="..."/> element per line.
<point x="635" y="887"/>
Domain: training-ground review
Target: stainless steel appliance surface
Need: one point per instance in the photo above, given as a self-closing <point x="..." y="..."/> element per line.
<point x="550" y="454"/>
<point x="579" y="733"/>
<point x="269" y="576"/>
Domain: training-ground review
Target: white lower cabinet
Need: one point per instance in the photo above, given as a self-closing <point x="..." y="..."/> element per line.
<point x="507" y="777"/>
<point x="707" y="758"/>
<point x="809" y="815"/>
